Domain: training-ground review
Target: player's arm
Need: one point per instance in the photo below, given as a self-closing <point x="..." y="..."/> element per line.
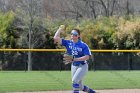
<point x="83" y="58"/>
<point x="87" y="54"/>
<point x="57" y="38"/>
<point x="69" y="58"/>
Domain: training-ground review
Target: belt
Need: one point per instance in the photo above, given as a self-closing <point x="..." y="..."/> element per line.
<point x="82" y="63"/>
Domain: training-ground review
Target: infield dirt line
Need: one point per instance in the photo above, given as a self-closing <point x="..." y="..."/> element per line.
<point x="100" y="91"/>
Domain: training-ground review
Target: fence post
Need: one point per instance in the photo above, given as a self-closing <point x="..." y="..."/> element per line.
<point x="93" y="60"/>
<point x="129" y="61"/>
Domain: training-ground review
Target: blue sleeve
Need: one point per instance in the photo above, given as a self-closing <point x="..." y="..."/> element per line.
<point x="64" y="42"/>
<point x="86" y="50"/>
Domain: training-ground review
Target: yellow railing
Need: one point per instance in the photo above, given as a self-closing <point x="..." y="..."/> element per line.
<point x="63" y="50"/>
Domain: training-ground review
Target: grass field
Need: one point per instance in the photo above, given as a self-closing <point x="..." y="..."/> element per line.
<point x="11" y="81"/>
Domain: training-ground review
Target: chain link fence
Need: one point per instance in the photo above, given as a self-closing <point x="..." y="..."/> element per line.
<point x="18" y="60"/>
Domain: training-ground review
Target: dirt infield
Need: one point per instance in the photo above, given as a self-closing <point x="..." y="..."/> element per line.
<point x="100" y="91"/>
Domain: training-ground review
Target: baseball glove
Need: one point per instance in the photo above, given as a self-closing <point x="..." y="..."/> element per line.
<point x="67" y="58"/>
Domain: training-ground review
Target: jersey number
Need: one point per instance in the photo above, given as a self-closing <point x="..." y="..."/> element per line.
<point x="74" y="52"/>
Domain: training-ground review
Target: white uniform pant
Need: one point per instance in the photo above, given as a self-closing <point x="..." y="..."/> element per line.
<point x="78" y="73"/>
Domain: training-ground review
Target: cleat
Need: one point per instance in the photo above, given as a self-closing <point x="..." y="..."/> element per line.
<point x="91" y="91"/>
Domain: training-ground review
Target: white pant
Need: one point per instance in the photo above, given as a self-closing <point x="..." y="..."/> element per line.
<point x="78" y="73"/>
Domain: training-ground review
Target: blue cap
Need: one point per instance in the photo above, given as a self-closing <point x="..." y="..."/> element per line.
<point x="74" y="32"/>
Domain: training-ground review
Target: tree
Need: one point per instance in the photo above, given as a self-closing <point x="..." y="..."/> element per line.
<point x="29" y="11"/>
<point x="6" y="21"/>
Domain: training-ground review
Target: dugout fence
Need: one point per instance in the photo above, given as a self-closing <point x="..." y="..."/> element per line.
<point x="51" y="59"/>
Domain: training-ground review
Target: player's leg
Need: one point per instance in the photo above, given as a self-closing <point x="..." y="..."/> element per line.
<point x="78" y="73"/>
<point x="84" y="87"/>
<point x="74" y="85"/>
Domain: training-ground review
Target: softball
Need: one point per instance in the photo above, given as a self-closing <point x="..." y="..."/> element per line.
<point x="62" y="26"/>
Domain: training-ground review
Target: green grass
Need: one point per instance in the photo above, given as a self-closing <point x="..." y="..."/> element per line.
<point x="11" y="81"/>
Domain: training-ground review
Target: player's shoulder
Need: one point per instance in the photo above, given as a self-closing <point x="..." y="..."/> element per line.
<point x="84" y="44"/>
<point x="66" y="40"/>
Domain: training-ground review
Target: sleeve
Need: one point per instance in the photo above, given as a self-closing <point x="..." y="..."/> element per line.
<point x="64" y="42"/>
<point x="86" y="50"/>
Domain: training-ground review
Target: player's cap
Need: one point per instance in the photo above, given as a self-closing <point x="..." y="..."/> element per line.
<point x="74" y="32"/>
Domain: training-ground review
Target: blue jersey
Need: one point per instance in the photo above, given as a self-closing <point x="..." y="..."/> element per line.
<point x="77" y="49"/>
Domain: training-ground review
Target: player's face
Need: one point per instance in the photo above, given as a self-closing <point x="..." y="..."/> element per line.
<point x="74" y="37"/>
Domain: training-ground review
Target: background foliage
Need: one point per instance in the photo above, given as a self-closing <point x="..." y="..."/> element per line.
<point x="102" y="33"/>
<point x="104" y="24"/>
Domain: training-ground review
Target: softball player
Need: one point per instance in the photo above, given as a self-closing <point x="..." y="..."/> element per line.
<point x="80" y="52"/>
